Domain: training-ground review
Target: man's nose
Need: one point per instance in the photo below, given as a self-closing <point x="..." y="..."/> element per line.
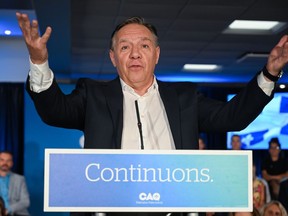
<point x="135" y="53"/>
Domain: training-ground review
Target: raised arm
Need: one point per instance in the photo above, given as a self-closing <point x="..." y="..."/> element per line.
<point x="36" y="44"/>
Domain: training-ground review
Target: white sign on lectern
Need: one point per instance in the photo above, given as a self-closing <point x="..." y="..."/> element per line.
<point x="91" y="180"/>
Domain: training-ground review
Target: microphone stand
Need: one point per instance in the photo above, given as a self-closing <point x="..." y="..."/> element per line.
<point x="139" y="124"/>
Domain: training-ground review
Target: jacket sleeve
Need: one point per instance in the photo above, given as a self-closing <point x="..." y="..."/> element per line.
<point x="19" y="199"/>
<point x="235" y="114"/>
<point x="60" y="110"/>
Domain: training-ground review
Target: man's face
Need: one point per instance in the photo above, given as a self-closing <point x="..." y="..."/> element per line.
<point x="6" y="162"/>
<point x="236" y="143"/>
<point x="135" y="55"/>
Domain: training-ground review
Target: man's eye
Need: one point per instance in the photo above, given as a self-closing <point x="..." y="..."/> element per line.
<point x="145" y="46"/>
<point x="124" y="47"/>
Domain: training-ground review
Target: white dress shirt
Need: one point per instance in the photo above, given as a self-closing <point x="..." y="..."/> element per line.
<point x="155" y="125"/>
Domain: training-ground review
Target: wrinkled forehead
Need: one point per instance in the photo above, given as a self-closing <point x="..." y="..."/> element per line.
<point x="136" y="40"/>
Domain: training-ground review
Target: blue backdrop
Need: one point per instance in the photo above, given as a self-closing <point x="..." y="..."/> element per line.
<point x="37" y="137"/>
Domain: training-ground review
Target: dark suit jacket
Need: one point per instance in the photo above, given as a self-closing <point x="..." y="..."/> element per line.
<point x="96" y="108"/>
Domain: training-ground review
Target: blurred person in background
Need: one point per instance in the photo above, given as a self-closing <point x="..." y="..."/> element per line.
<point x="236" y="142"/>
<point x="202" y="144"/>
<point x="261" y="193"/>
<point x="13" y="187"/>
<point x="274" y="168"/>
<point x="273" y="208"/>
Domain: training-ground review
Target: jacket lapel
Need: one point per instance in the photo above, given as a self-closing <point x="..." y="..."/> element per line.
<point x="171" y="103"/>
<point x="114" y="96"/>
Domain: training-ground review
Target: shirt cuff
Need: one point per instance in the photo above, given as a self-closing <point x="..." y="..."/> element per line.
<point x="41" y="77"/>
<point x="266" y="86"/>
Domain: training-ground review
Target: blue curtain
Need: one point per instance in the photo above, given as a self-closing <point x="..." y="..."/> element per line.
<point x="11" y="122"/>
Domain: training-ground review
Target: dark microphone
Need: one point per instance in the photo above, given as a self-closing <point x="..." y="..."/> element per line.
<point x="139" y="124"/>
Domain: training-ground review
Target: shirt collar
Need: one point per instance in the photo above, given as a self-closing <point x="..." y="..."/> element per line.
<point x="126" y="87"/>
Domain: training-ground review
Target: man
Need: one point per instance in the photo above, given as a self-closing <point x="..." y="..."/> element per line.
<point x="172" y="114"/>
<point x="13" y="187"/>
<point x="236" y="142"/>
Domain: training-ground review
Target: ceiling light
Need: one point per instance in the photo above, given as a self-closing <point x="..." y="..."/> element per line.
<point x="250" y="24"/>
<point x="254" y="27"/>
<point x="282" y="86"/>
<point x="9" y="26"/>
<point x="202" y="67"/>
<point x="7" y="32"/>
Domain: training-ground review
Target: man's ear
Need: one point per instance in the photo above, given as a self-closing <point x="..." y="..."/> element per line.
<point x="112" y="57"/>
<point x="158" y="54"/>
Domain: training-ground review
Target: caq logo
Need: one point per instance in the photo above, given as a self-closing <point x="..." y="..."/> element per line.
<point x="149" y="196"/>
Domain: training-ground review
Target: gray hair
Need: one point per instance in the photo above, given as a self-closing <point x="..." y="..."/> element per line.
<point x="134" y="20"/>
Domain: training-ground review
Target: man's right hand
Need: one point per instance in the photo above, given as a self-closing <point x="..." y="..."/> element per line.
<point x="37" y="45"/>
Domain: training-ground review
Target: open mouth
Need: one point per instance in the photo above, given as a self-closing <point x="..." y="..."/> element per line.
<point x="135" y="67"/>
